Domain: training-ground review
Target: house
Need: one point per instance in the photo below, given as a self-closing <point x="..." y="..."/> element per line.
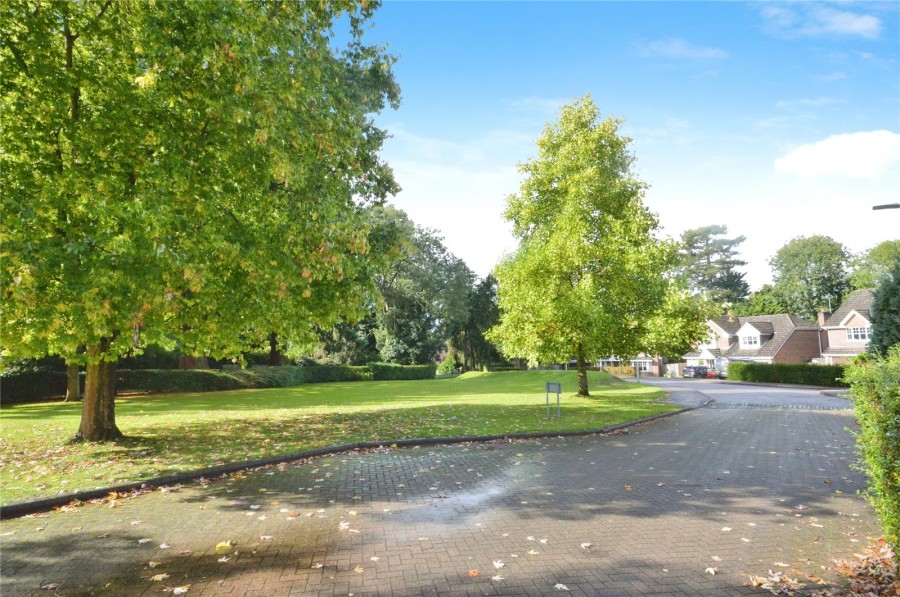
<point x="848" y="329"/>
<point x="758" y="338"/>
<point x="644" y="364"/>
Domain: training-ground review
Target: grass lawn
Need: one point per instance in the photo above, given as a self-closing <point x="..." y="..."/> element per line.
<point x="168" y="433"/>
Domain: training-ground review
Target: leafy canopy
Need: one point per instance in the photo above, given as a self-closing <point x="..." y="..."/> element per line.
<point x="184" y="171"/>
<point x="810" y="273"/>
<point x="708" y="262"/>
<point x="588" y="271"/>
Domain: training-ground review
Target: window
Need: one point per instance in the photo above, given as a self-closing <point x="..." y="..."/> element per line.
<point x="641" y="365"/>
<point x="749" y="341"/>
<point x="859" y="333"/>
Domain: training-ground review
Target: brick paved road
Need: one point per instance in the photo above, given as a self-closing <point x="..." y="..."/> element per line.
<point x="644" y="513"/>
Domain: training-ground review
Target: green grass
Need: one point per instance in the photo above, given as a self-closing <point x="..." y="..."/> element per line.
<point x="170" y="433"/>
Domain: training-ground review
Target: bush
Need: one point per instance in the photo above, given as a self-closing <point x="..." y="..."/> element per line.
<point x="625" y="371"/>
<point x="391" y="372"/>
<point x="447" y="367"/>
<point x="875" y="388"/>
<point x="789" y="373"/>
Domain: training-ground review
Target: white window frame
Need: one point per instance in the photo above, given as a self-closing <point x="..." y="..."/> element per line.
<point x="643" y="366"/>
<point x="859" y="334"/>
<point x="749" y="341"/>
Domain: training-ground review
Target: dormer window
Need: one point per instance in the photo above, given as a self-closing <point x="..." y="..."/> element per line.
<point x="749" y="341"/>
<point x="861" y="333"/>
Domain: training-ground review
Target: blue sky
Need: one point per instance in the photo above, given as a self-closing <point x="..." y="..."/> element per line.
<point x="777" y="119"/>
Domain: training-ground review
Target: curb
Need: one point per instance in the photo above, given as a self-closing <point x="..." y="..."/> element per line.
<point x="19" y="509"/>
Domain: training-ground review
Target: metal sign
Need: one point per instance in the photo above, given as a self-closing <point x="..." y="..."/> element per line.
<point x="553" y="387"/>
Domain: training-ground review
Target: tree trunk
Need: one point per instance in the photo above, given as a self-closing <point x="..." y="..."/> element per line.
<point x="582" y="373"/>
<point x="73" y="383"/>
<point x="274" y="354"/>
<point x="98" y="414"/>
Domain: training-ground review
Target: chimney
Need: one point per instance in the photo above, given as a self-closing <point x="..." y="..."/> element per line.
<point x="823" y="315"/>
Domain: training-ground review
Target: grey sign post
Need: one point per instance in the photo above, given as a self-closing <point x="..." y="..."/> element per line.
<point x="553" y="387"/>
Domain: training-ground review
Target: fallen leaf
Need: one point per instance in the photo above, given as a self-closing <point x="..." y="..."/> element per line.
<point x="181" y="590"/>
<point x="745" y="540"/>
<point x="712" y="571"/>
<point x="782" y="564"/>
<point x="224" y="546"/>
<point x="152" y="564"/>
<point x="716" y="559"/>
<point x="498" y="564"/>
<point x="159" y="577"/>
<point x="50" y="586"/>
<point x="473" y="573"/>
<point x="560" y="587"/>
<point x="726" y="529"/>
<point x="532" y="552"/>
<point x="497" y="578"/>
<point x="358" y="569"/>
<point x="586" y="545"/>
<point x="164" y="546"/>
<point x="317" y="565"/>
<point x="374" y="558"/>
<point x="224" y="559"/>
<point x="265" y="538"/>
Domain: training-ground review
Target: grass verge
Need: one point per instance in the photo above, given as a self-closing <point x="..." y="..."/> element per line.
<point x="172" y="433"/>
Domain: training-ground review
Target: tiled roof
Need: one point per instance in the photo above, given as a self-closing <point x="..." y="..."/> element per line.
<point x="777" y="328"/>
<point x="765" y="327"/>
<point x="859" y="301"/>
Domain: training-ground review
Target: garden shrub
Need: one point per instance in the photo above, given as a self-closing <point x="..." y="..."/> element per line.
<point x="788" y="373"/>
<point x="624" y="371"/>
<point x="447" y="367"/>
<point x="875" y="388"/>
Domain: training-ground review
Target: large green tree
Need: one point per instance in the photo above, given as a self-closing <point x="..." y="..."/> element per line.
<point x="708" y="262"/>
<point x="184" y="171"/>
<point x="588" y="271"/>
<point x="762" y="302"/>
<point x="886" y="313"/>
<point x="873" y="266"/>
<point x="810" y="273"/>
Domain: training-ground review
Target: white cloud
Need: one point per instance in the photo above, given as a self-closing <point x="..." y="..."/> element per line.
<point x="810" y="20"/>
<point x="814" y="102"/>
<point x="864" y="154"/>
<point x="675" y="47"/>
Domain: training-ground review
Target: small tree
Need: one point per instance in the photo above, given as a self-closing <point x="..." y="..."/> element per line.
<point x="588" y="272"/>
<point x="886" y="314"/>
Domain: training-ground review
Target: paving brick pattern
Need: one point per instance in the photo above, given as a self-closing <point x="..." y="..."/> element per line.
<point x="741" y="491"/>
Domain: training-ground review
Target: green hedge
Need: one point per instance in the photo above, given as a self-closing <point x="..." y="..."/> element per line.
<point x="31" y="386"/>
<point x="875" y="388"/>
<point x="22" y="387"/>
<point x="805" y="374"/>
<point x="391" y="372"/>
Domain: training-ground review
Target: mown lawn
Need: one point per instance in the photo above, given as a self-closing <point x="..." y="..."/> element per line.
<point x="170" y="433"/>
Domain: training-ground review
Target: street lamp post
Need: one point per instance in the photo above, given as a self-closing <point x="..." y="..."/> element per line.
<point x="887" y="206"/>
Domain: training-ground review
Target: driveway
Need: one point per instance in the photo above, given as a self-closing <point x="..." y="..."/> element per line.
<point x="686" y="505"/>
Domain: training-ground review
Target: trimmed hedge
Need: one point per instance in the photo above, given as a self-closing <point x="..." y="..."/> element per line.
<point x="807" y="374"/>
<point x="31" y="386"/>
<point x="626" y="371"/>
<point x="391" y="372"/>
<point x="875" y="388"/>
<point x="17" y="388"/>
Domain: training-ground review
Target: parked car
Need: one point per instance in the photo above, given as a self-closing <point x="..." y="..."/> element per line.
<point x="712" y="374"/>
<point x="695" y="371"/>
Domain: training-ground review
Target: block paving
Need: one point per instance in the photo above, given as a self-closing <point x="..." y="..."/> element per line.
<point x="686" y="505"/>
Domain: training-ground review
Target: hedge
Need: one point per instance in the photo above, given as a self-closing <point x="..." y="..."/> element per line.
<point x="789" y="373"/>
<point x="391" y="372"/>
<point x="38" y="386"/>
<point x="875" y="390"/>
<point x="623" y="371"/>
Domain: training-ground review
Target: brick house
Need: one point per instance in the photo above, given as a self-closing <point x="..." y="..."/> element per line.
<point x="759" y="338"/>
<point x="849" y="329"/>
